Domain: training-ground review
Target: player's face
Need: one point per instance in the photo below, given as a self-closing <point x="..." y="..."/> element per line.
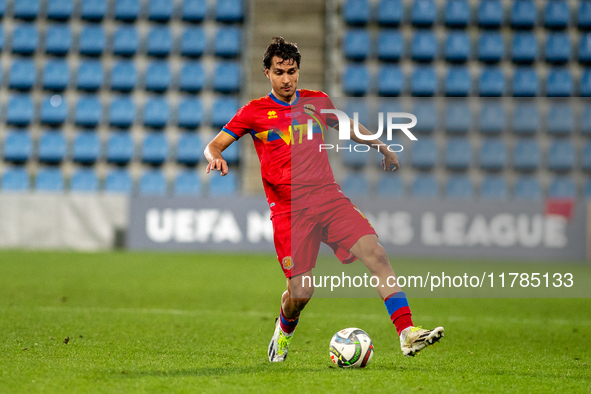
<point x="284" y="78"/>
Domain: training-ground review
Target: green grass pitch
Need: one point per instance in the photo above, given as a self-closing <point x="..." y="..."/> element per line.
<point x="148" y="322"/>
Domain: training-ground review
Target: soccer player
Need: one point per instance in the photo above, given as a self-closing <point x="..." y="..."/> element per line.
<point x="307" y="205"/>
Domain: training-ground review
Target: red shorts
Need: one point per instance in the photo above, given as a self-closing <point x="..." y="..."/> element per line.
<point x="297" y="235"/>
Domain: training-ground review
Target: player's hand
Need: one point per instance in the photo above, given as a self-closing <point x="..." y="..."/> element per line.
<point x="390" y="161"/>
<point x="218" y="165"/>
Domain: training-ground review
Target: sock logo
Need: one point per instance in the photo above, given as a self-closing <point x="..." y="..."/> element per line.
<point x="287" y="263"/>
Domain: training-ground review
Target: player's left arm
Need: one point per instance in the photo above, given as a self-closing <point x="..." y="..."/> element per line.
<point x="390" y="159"/>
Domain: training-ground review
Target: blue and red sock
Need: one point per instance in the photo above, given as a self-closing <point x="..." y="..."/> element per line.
<point x="288" y="325"/>
<point x="397" y="306"/>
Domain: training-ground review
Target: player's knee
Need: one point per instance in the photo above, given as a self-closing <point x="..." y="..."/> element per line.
<point x="378" y="254"/>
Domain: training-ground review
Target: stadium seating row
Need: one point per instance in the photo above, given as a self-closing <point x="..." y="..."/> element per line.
<point x="523" y="14"/>
<point x="125" y="77"/>
<point x="152" y="182"/>
<point x="459" y="186"/>
<point x="88" y="111"/>
<point x="491" y="47"/>
<point x="357" y="80"/>
<point x="126" y="41"/>
<point x="119" y="148"/>
<point x="127" y="10"/>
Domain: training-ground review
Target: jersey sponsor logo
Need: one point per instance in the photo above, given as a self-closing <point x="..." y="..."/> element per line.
<point x="272" y="114"/>
<point x="287" y="263"/>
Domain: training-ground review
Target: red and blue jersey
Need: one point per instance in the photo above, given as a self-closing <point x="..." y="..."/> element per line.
<point x="295" y="172"/>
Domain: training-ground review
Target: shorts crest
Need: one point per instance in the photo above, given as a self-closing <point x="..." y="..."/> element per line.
<point x="287" y="263"/>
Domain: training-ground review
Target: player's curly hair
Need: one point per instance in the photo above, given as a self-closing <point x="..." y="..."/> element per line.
<point x="282" y="49"/>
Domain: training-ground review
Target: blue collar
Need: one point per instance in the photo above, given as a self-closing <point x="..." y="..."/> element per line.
<point x="283" y="102"/>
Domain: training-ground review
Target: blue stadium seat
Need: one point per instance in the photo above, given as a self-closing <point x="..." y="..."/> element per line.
<point x="54" y="110"/>
<point x="585" y="48"/>
<point x="23" y="74"/>
<point x="120" y="148"/>
<point x="424" y="46"/>
<point x="559" y="83"/>
<point x="26" y="9"/>
<point x="561" y="155"/>
<point x="352" y="158"/>
<point x="586" y="157"/>
<point x="84" y="180"/>
<point x="2" y="8"/>
<point x="390" y="12"/>
<point x="359" y="106"/>
<point x="492" y="119"/>
<point x="562" y="187"/>
<point x="526" y="118"/>
<point x="127" y="10"/>
<point x="585" y="84"/>
<point x="458" y="153"/>
<point x="525" y="82"/>
<point x="153" y="183"/>
<point x="49" y="179"/>
<point x="458" y="117"/>
<point x="584" y="14"/>
<point x="193" y="42"/>
<point x="356" y="12"/>
<point x="494" y="187"/>
<point x="154" y="148"/>
<point x="56" y="75"/>
<point x="524" y="48"/>
<point x="390" y="186"/>
<point x="25" y="39"/>
<point x="558" y="48"/>
<point x="224" y="108"/>
<point x="92" y="40"/>
<point x="189" y="149"/>
<point x="526" y="155"/>
<point x="125" y="41"/>
<point x="86" y="148"/>
<point x="118" y="181"/>
<point x="90" y="75"/>
<point x="427" y="116"/>
<point x="457" y="46"/>
<point x="459" y="187"/>
<point x="93" y="10"/>
<point x="20" y="110"/>
<point x="457" y="13"/>
<point x="121" y="112"/>
<point x="493" y="154"/>
<point x="52" y="147"/>
<point x="226" y="77"/>
<point x="587" y="190"/>
<point x="355" y="79"/>
<point x="490" y="13"/>
<point x="18" y="146"/>
<point x="194" y="10"/>
<point x="187" y="183"/>
<point x="424" y="81"/>
<point x="160" y="10"/>
<point x="492" y="82"/>
<point x="556" y="14"/>
<point x="424" y="153"/>
<point x="390" y="45"/>
<point x="158" y="76"/>
<point x="561" y="119"/>
<point x="156" y="112"/>
<point x="232" y="154"/>
<point x="425" y="186"/>
<point x="88" y="111"/>
<point x="423" y="12"/>
<point x="528" y="188"/>
<point x="356" y="44"/>
<point x="585" y="121"/>
<point x="123" y="76"/>
<point x="59" y="9"/>
<point x="391" y="80"/>
<point x="356" y="185"/>
<point x="1" y="36"/>
<point x="458" y="82"/>
<point x="190" y="113"/>
<point x="223" y="185"/>
<point x="15" y="179"/>
<point x="491" y="47"/>
<point x="159" y="41"/>
<point x="228" y="42"/>
<point x="229" y="11"/>
<point x="58" y="39"/>
<point x="524" y="14"/>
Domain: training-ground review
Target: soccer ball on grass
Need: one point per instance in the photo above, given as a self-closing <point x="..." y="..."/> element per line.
<point x="351" y="348"/>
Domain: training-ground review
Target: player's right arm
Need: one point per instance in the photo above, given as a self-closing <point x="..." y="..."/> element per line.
<point x="213" y="153"/>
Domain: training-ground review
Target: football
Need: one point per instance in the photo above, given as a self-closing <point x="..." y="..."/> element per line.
<point x="351" y="348"/>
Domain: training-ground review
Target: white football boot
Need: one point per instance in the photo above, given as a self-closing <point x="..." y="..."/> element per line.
<point x="279" y="345"/>
<point x="416" y="339"/>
